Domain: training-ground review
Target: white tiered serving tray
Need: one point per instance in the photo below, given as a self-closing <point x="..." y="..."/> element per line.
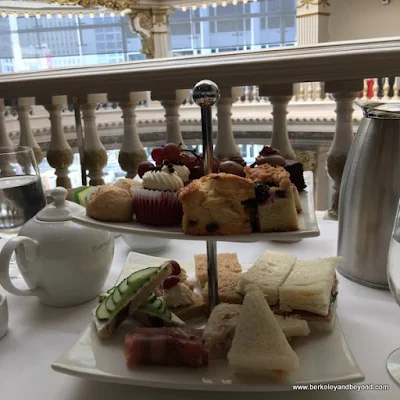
<point x="324" y="358"/>
<point x="307" y="222"/>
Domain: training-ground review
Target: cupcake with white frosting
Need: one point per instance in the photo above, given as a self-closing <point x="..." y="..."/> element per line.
<point x="156" y="202"/>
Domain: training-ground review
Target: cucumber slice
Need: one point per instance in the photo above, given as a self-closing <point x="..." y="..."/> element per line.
<point x="116" y="296"/>
<point x="152" y="298"/>
<point x="110" y="305"/>
<point x="123" y="287"/>
<point x="110" y="291"/>
<point x="102" y="313"/>
<point x="157" y="308"/>
<point x="157" y="304"/>
<point x="128" y="289"/>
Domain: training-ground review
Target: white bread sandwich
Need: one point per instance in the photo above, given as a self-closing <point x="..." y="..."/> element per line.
<point x="268" y="272"/>
<point x="125" y="298"/>
<point x="259" y="346"/>
<point x="310" y="292"/>
<point x="221" y="325"/>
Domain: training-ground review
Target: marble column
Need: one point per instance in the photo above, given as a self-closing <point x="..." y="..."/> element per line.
<point x="279" y="96"/>
<point x="344" y="93"/>
<point x="171" y="101"/>
<point x="26" y="135"/>
<point x="132" y="152"/>
<point x="94" y="151"/>
<point x="225" y="145"/>
<point x="5" y="140"/>
<point x="59" y="155"/>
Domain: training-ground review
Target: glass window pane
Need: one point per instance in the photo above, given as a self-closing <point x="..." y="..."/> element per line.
<point x="227" y="26"/>
<point x="181" y="29"/>
<point x="274" y="22"/>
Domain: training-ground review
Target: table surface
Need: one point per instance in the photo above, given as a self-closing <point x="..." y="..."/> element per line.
<point x="38" y="334"/>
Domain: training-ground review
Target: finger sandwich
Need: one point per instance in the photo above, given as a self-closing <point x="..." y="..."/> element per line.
<point x="310" y="291"/>
<point x="268" y="272"/>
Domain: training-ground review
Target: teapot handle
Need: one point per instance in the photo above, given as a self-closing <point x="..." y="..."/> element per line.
<point x="31" y="247"/>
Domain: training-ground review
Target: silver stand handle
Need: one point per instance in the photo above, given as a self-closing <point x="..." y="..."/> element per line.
<point x="205" y="95"/>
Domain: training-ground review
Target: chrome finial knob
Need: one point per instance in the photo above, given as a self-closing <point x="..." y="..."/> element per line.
<point x="206" y="93"/>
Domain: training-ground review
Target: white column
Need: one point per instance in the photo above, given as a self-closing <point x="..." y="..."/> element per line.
<point x="26" y="136"/>
<point x="279" y="96"/>
<point x="225" y="145"/>
<point x="59" y="155"/>
<point x="375" y="89"/>
<point x="386" y="88"/>
<point x="132" y="152"/>
<point x="171" y="102"/>
<point x="5" y="140"/>
<point x="95" y="153"/>
<point x="396" y="89"/>
<point x="344" y="94"/>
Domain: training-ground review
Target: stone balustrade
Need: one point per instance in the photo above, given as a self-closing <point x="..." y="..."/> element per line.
<point x="271" y="82"/>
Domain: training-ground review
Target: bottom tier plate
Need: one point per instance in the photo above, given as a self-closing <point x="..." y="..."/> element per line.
<point x="324" y="358"/>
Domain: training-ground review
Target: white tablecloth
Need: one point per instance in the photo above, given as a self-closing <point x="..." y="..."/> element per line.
<point x="38" y="334"/>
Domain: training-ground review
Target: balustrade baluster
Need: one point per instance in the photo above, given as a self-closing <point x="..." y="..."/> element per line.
<point x="59" y="155"/>
<point x="225" y="144"/>
<point x="344" y="94"/>
<point x="365" y="90"/>
<point x="301" y="92"/>
<point x="27" y="138"/>
<point x="386" y="88"/>
<point x="4" y="138"/>
<point x="95" y="153"/>
<point x="132" y="152"/>
<point x="375" y="89"/>
<point x="171" y="101"/>
<point x="279" y="96"/>
<point x="246" y="94"/>
<point x="318" y="91"/>
<point x="310" y="91"/>
<point x="396" y="89"/>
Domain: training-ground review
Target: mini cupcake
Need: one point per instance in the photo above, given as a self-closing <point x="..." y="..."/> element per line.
<point x="156" y="203"/>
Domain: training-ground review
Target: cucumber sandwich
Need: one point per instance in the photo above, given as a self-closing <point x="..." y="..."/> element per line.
<point x="132" y="294"/>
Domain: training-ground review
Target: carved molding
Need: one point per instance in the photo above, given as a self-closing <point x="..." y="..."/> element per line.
<point x="118" y="5"/>
<point x="308" y="3"/>
<point x="142" y="23"/>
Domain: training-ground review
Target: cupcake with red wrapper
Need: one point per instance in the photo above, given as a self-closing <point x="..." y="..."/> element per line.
<point x="156" y="202"/>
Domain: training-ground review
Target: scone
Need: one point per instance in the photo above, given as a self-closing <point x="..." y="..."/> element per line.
<point x="127" y="184"/>
<point x="110" y="203"/>
<point x="213" y="205"/>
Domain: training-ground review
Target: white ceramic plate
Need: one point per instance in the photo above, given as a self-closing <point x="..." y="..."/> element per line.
<point x="307" y="222"/>
<point x="324" y="358"/>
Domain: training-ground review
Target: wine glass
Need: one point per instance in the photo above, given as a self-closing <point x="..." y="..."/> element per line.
<point x="393" y="361"/>
<point x="21" y="192"/>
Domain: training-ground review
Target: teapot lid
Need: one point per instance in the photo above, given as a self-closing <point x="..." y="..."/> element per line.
<point x="380" y="110"/>
<point x="61" y="209"/>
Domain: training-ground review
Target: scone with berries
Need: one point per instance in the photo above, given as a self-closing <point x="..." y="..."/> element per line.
<point x="216" y="205"/>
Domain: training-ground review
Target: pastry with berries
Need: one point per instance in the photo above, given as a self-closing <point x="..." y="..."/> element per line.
<point x="271" y="156"/>
<point x="216" y="205"/>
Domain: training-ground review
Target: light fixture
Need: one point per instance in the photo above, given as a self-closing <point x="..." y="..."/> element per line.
<point x="122" y="13"/>
<point x="234" y="2"/>
<point x="80" y="15"/>
<point x="48" y="15"/>
<point x="91" y="15"/>
<point x="224" y="3"/>
<point x="37" y="15"/>
<point x="26" y="15"/>
<point x="69" y="15"/>
<point x="4" y="14"/>
<point x="101" y="14"/>
<point x="214" y="5"/>
<point x="245" y="1"/>
<point x="194" y="7"/>
<point x="112" y="14"/>
<point x="184" y="8"/>
<point x="15" y="14"/>
<point x="204" y="5"/>
<point x="59" y="15"/>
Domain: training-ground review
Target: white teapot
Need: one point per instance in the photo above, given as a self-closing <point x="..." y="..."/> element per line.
<point x="63" y="263"/>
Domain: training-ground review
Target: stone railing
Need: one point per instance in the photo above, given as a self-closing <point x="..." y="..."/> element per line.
<point x="281" y="80"/>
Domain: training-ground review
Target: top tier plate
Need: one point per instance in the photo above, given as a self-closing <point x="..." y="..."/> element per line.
<point x="307" y="222"/>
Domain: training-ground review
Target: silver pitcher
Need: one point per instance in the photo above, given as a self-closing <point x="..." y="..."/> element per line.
<point x="369" y="194"/>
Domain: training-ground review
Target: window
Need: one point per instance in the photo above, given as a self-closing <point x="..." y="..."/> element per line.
<point x="227" y="26"/>
<point x="274" y="22"/>
<point x="180" y="29"/>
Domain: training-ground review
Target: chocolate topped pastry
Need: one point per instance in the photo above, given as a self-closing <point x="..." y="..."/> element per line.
<point x="232" y="167"/>
<point x="270" y="156"/>
<point x="295" y="170"/>
<point x="237" y="159"/>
